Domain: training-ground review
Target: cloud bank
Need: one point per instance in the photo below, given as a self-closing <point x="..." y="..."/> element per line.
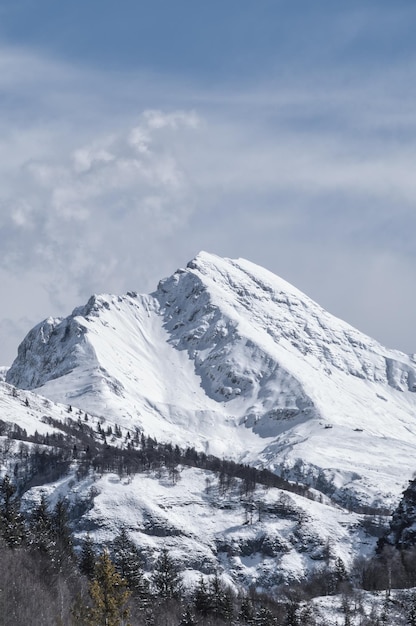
<point x="87" y="215"/>
<point x="108" y="183"/>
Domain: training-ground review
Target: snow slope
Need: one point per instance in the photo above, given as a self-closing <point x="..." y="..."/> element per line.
<point x="28" y="411"/>
<point x="230" y="358"/>
<point x="208" y="532"/>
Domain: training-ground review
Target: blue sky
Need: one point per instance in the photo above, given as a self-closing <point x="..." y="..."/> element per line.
<point x="135" y="134"/>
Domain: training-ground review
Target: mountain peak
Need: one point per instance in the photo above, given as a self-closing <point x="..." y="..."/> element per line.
<point x="234" y="360"/>
<point x="209" y="264"/>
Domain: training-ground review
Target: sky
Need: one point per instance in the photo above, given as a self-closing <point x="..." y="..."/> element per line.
<point x="135" y="134"/>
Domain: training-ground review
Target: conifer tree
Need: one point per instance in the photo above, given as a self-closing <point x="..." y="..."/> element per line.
<point x="12" y="527"/>
<point x="221" y="600"/>
<point x="306" y="616"/>
<point x="40" y="531"/>
<point x="109" y="595"/>
<point x="292" y="615"/>
<point x="187" y="618"/>
<point x="7" y="490"/>
<point x="340" y="572"/>
<point x="411" y="614"/>
<point x="61" y="532"/>
<point x="11" y="521"/>
<point x="128" y="563"/>
<point x="246" y="614"/>
<point x="202" y="598"/>
<point x="166" y="577"/>
<point x="87" y="558"/>
<point x="265" y="618"/>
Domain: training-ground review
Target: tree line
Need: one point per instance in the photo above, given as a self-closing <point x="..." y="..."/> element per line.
<point x="45" y="579"/>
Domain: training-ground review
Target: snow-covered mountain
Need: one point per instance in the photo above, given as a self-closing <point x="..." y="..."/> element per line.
<point x="29" y="411"/>
<point x="285" y="537"/>
<point x="233" y="360"/>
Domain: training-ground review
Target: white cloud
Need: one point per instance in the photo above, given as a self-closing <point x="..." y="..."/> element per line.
<point x="158" y="119"/>
<point x="101" y="191"/>
<point x="92" y="207"/>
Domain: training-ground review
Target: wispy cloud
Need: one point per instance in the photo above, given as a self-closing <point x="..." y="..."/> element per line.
<point x="90" y="215"/>
<point x="108" y="182"/>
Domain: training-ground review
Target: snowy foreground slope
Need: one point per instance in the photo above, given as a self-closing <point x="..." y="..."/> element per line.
<point x="28" y="411"/>
<point x="231" y="359"/>
<point x="264" y="538"/>
<point x="205" y="530"/>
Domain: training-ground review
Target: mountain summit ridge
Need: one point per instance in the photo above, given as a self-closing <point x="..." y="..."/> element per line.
<point x="234" y="360"/>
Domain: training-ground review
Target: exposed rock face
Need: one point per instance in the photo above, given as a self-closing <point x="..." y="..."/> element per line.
<point x="403" y="523"/>
<point x="230" y="358"/>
